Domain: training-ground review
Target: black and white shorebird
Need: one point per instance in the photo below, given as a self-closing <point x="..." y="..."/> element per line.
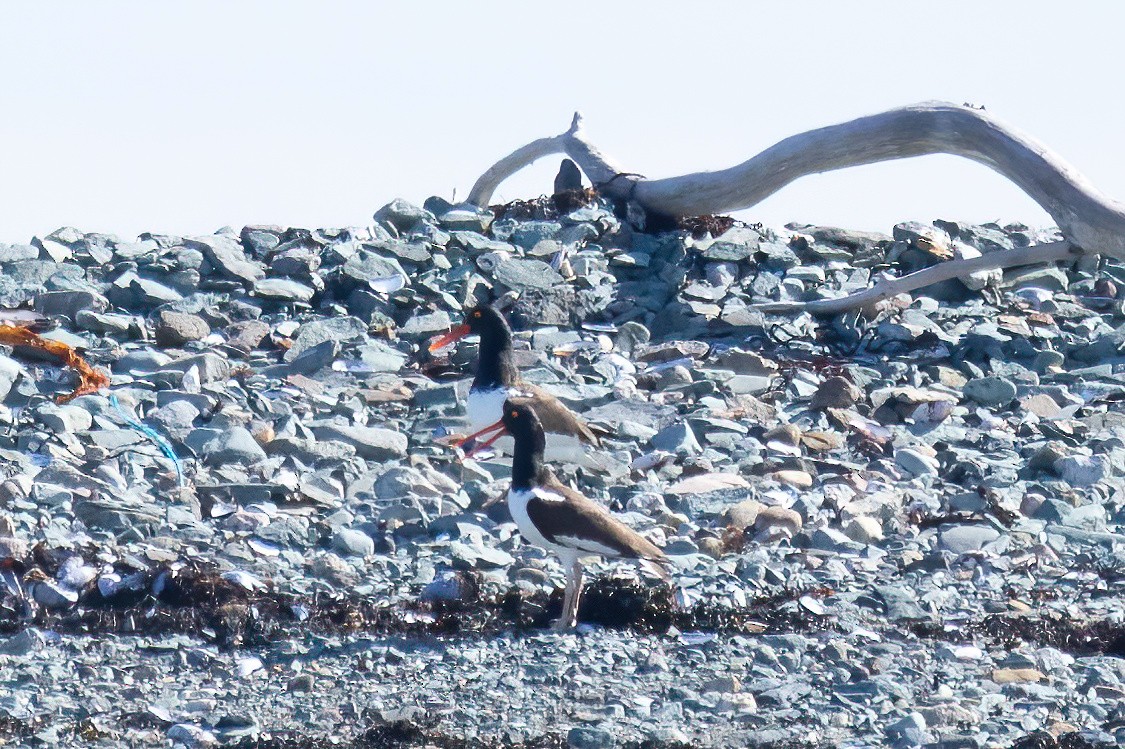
<point x="556" y="517"/>
<point x="497" y="379"/>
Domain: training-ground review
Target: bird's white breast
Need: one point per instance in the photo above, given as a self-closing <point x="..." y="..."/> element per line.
<point x="485" y="407"/>
<point x="567" y="546"/>
<point x="517" y="505"/>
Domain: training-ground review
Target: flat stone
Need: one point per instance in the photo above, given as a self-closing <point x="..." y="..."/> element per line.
<point x="916" y="462"/>
<point x="990" y="391"/>
<point x="10" y="371"/>
<point x="775" y="256"/>
<point x="403" y="215"/>
<point x="247" y="335"/>
<point x="472" y="556"/>
<point x="1081" y="470"/>
<point x="777" y="522"/>
<point x="735" y="245"/>
<point x="427" y="324"/>
<point x="353" y="543"/>
<point x="1017" y="676"/>
<point x="961" y="539"/>
<point x="1043" y="406"/>
<point x="467" y="219"/>
<point x="339" y="329"/>
<point x="371" y="443"/>
<point x="233" y="445"/>
<point x="191" y="736"/>
<point x="900" y="603"/>
<point x="835" y="392"/>
<point x="177" y="328"/>
<point x="864" y="529"/>
<point x="520" y="273"/>
<point x="283" y="290"/>
<point x="910" y="731"/>
<point x="53" y="596"/>
<point x="10" y="253"/>
<point x="677" y="438"/>
<point x="69" y="303"/>
<point x="65" y="418"/>
<point x="259" y="240"/>
<point x="749" y="384"/>
<point x="705" y="483"/>
<point x="798" y="479"/>
<point x="744" y="514"/>
<point x="131" y="291"/>
<point x="110" y="322"/>
<point x="308" y="362"/>
<point x="210" y="366"/>
<point x="227" y="256"/>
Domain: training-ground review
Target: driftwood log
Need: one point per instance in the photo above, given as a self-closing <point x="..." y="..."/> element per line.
<point x="1091" y="223"/>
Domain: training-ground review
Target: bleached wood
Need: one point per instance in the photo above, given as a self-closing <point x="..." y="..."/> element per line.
<point x="599" y="168"/>
<point x="1089" y="221"/>
<point x="1087" y="218"/>
<point x="1043" y="253"/>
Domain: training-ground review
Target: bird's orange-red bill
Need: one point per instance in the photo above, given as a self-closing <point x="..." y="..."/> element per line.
<point x="452" y="336"/>
<point x="498" y="427"/>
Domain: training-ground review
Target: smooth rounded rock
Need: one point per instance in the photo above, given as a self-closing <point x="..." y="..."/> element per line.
<point x="234" y="445"/>
<point x="177" y="328"/>
<point x="353" y="543"/>
<point x="961" y="539"/>
<point x="835" y="392"/>
<point x="916" y="462"/>
<point x="990" y="391"/>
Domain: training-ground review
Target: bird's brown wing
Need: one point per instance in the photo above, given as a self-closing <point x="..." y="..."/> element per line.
<point x="556" y="417"/>
<point x="567" y="518"/>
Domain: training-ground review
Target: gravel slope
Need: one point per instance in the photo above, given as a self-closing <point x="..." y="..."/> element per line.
<point x="900" y="529"/>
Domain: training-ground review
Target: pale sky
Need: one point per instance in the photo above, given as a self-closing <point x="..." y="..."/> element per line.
<point x="125" y="117"/>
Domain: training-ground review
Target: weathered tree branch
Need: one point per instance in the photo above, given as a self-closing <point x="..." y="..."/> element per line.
<point x="1089" y="221"/>
<point x="1042" y="253"/>
<point x="599" y="168"/>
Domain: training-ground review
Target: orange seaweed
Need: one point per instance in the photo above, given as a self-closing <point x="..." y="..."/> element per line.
<point x="90" y="380"/>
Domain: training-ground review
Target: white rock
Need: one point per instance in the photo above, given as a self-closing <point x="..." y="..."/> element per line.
<point x="863" y="529"/>
<point x="916" y="462"/>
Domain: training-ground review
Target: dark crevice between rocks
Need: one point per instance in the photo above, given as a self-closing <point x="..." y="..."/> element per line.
<point x="198" y="600"/>
<point x="12" y="729"/>
<point x="546" y="208"/>
<point x="1047" y="740"/>
<point x="700" y="226"/>
<point x="1074" y="637"/>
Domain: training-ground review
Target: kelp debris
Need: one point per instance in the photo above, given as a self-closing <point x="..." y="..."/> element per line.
<point x="90" y="380"/>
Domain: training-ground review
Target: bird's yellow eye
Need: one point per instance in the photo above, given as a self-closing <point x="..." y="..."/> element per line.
<point x="515" y="414"/>
<point x="477" y="313"/>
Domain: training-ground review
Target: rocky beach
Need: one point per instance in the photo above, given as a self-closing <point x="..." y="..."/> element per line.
<point x="899" y="526"/>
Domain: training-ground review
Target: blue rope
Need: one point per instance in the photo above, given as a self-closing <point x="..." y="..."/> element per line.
<point x="152" y="434"/>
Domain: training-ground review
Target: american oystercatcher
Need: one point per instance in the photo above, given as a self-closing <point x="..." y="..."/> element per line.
<point x="497" y="378"/>
<point x="557" y="517"/>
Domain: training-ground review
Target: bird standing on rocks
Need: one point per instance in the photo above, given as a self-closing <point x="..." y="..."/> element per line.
<point x="556" y="517"/>
<point x="497" y="378"/>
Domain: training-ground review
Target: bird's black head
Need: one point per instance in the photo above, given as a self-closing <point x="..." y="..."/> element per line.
<point x="523" y="424"/>
<point x="484" y="320"/>
<point x="496" y="367"/>
<point x="520" y="420"/>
